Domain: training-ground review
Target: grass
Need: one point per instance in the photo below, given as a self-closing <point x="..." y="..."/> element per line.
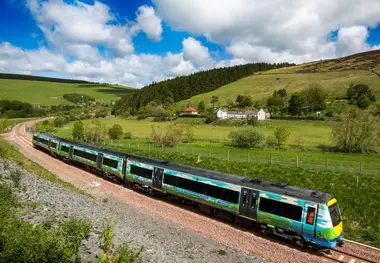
<point x="8" y="123"/>
<point x="51" y="93"/>
<point x="9" y="152"/>
<point x="313" y="133"/>
<point x="261" y="86"/>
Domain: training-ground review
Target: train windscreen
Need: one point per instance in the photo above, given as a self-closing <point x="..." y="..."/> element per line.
<point x="335" y="214"/>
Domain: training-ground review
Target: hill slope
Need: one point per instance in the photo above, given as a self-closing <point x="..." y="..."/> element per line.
<point x="51" y="93"/>
<point x="333" y="75"/>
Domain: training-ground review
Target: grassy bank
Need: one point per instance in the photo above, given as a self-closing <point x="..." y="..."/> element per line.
<point x="359" y="201"/>
<point x="9" y="152"/>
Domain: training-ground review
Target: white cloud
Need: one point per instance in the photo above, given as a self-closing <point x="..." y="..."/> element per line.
<point x="194" y="51"/>
<point x="149" y="22"/>
<point x="293" y="30"/>
<point x="83" y="52"/>
<point x="352" y="40"/>
<point x="80" y="23"/>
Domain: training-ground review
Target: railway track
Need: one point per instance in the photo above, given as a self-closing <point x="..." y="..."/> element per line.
<point x="346" y="257"/>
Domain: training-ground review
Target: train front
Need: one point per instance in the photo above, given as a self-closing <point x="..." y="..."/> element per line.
<point x="329" y="225"/>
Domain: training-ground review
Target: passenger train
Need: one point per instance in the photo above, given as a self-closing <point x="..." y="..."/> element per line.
<point x="306" y="217"/>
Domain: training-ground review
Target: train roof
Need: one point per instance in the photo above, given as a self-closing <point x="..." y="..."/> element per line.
<point x="275" y="187"/>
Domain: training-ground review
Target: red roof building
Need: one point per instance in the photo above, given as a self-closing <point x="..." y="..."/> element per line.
<point x="190" y="111"/>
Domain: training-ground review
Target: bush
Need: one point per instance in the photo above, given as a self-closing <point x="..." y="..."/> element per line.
<point x="246" y="138"/>
<point x="60" y="121"/>
<point x="281" y="134"/>
<point x="171" y="137"/>
<point x="101" y="113"/>
<point x="271" y="142"/>
<point x="127" y="135"/>
<point x="78" y="130"/>
<point x="115" y="132"/>
<point x="45" y="126"/>
<point x="78" y="98"/>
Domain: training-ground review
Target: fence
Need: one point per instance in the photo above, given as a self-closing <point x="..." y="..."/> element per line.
<point x="317" y="161"/>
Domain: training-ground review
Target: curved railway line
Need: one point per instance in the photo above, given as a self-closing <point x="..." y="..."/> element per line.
<point x="351" y="252"/>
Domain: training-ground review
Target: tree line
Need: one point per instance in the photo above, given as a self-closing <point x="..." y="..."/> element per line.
<point x="38" y="78"/>
<point x="180" y="88"/>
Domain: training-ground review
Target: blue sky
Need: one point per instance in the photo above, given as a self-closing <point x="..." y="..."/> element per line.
<point x="137" y="42"/>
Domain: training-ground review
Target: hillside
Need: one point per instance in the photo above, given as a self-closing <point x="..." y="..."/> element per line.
<point x="333" y="75"/>
<point x="51" y="93"/>
<point x="180" y="88"/>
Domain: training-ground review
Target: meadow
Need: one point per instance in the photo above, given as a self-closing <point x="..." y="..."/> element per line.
<point x="313" y="133"/>
<point x="211" y="141"/>
<point x="262" y="85"/>
<point x="51" y="93"/>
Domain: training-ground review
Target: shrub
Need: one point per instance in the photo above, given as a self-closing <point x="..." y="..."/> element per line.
<point x="127" y="135"/>
<point x="115" y="132"/>
<point x="45" y="126"/>
<point x="281" y="134"/>
<point x="271" y="142"/>
<point x="78" y="130"/>
<point x="363" y="102"/>
<point x="60" y="121"/>
<point x="246" y="138"/>
<point x="171" y="137"/>
<point x="101" y="113"/>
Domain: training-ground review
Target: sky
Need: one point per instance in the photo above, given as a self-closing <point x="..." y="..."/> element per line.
<point x="136" y="42"/>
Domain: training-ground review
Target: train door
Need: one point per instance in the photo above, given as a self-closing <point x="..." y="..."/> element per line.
<point x="99" y="161"/>
<point x="248" y="203"/>
<point x="309" y="224"/>
<point x="124" y="168"/>
<point x="71" y="151"/>
<point x="157" y="178"/>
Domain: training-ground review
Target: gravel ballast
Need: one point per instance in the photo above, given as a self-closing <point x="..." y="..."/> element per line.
<point x="162" y="240"/>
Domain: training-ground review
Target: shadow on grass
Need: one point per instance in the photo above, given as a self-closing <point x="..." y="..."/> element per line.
<point x="108" y="89"/>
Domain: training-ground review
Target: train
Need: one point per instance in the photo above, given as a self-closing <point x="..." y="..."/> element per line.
<point x="303" y="216"/>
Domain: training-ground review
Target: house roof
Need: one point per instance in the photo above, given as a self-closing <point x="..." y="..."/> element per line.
<point x="189" y="109"/>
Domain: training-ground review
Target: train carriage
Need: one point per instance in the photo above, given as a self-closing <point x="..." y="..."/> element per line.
<point x="302" y="215"/>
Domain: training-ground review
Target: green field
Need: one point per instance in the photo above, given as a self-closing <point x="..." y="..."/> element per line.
<point x="313" y="133"/>
<point x="51" y="93"/>
<point x="261" y="86"/>
<point x="210" y="141"/>
<point x="8" y="123"/>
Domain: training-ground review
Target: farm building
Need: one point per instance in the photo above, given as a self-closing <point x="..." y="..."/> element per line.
<point x="261" y="114"/>
<point x="189" y="111"/>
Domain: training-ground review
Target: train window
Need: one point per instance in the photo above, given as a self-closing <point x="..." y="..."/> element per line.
<point x="35" y="138"/>
<point x="170" y="180"/>
<point x="43" y="141"/>
<point x="65" y="148"/>
<point x="140" y="171"/>
<point x="310" y="215"/>
<point x="281" y="209"/>
<point x="53" y="145"/>
<point x="110" y="162"/>
<point x="85" y="155"/>
<point x="201" y="188"/>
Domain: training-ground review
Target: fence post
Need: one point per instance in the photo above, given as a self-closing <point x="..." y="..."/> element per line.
<point x="327" y="164"/>
<point x="297" y="162"/>
<point x="248" y="157"/>
<point x="228" y="155"/>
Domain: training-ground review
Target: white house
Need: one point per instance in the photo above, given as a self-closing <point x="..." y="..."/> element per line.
<point x="223" y="114"/>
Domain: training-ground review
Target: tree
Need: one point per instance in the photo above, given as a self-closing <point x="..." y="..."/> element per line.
<point x="116" y="132"/>
<point x="315" y="98"/>
<point x="296" y="104"/>
<point x="363" y="102"/>
<point x="60" y="121"/>
<point x="355" y="91"/>
<point x="244" y="101"/>
<point x="246" y="138"/>
<point x="214" y="100"/>
<point x="281" y="134"/>
<point x="357" y="131"/>
<point x="78" y="130"/>
<point x="201" y="106"/>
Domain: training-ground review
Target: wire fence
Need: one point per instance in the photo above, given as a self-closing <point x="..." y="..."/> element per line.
<point x="322" y="162"/>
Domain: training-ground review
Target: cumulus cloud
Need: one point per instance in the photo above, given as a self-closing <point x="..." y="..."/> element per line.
<point x="293" y="30"/>
<point x="81" y="23"/>
<point x="149" y="22"/>
<point x="195" y="52"/>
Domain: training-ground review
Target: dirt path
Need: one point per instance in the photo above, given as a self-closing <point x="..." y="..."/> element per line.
<point x="223" y="233"/>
